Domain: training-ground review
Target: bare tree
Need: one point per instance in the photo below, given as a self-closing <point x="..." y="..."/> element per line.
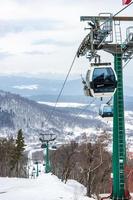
<point x="89" y="163"/>
<point x="63" y="160"/>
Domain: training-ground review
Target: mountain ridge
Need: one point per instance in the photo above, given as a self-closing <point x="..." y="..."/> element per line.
<point x="32" y="117"/>
<point x="34" y="87"/>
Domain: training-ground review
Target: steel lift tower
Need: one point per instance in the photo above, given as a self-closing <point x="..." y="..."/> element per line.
<point x="45" y="138"/>
<point x="100" y="37"/>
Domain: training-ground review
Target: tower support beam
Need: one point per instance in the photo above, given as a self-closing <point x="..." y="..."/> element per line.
<point x="119" y="144"/>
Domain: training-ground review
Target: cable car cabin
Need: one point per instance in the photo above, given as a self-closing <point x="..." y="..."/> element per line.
<point x="101" y="81"/>
<point x="106" y="111"/>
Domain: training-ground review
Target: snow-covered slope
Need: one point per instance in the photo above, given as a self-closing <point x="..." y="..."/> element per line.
<point x="17" y="112"/>
<point x="68" y="121"/>
<point x="45" y="187"/>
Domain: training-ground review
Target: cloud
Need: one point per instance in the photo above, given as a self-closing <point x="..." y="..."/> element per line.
<point x="28" y="87"/>
<point x="55" y="2"/>
<point x="36" y="53"/>
<point x="29" y="1"/>
<point x="4" y="55"/>
<point x="16" y="26"/>
<point x="52" y="42"/>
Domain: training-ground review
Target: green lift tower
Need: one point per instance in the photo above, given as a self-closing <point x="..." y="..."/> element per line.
<point x="102" y="29"/>
<point x="45" y="138"/>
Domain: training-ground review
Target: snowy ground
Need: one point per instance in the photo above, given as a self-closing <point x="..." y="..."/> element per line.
<point x="45" y="187"/>
<point x="63" y="104"/>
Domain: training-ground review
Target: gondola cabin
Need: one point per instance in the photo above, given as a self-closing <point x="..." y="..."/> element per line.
<point x="101" y="81"/>
<point x="106" y="111"/>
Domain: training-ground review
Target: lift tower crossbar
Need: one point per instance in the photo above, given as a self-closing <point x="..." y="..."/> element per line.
<point x="103" y="18"/>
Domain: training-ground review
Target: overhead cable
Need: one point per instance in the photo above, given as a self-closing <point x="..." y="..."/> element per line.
<point x="63" y="85"/>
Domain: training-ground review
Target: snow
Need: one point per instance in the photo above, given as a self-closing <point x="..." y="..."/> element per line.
<point x="85" y="116"/>
<point x="45" y="187"/>
<point x="28" y="87"/>
<point x="62" y="104"/>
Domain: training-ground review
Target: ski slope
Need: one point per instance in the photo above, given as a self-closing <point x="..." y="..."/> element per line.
<point x="45" y="187"/>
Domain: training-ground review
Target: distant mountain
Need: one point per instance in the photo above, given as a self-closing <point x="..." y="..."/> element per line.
<point x="47" y="89"/>
<point x="24" y="112"/>
<point x="72" y="121"/>
<point x="18" y="112"/>
<point x="27" y="86"/>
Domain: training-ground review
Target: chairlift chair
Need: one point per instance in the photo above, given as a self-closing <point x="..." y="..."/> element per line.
<point x="44" y="145"/>
<point x="54" y="147"/>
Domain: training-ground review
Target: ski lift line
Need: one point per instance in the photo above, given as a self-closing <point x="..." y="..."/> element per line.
<point x="117" y="13"/>
<point x="123" y="9"/>
<point x="60" y="93"/>
<point x="108" y="102"/>
<point x="84" y="109"/>
<point x="86" y="106"/>
<point x="127" y="62"/>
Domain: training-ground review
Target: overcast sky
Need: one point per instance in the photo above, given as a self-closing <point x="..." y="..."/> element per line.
<point x="42" y="36"/>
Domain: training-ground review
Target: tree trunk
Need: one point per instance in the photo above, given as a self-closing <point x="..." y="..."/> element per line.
<point x="89" y="185"/>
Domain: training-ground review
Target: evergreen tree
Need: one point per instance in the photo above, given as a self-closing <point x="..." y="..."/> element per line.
<point x="13" y="161"/>
<point x="20" y="147"/>
<point x="20" y="144"/>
